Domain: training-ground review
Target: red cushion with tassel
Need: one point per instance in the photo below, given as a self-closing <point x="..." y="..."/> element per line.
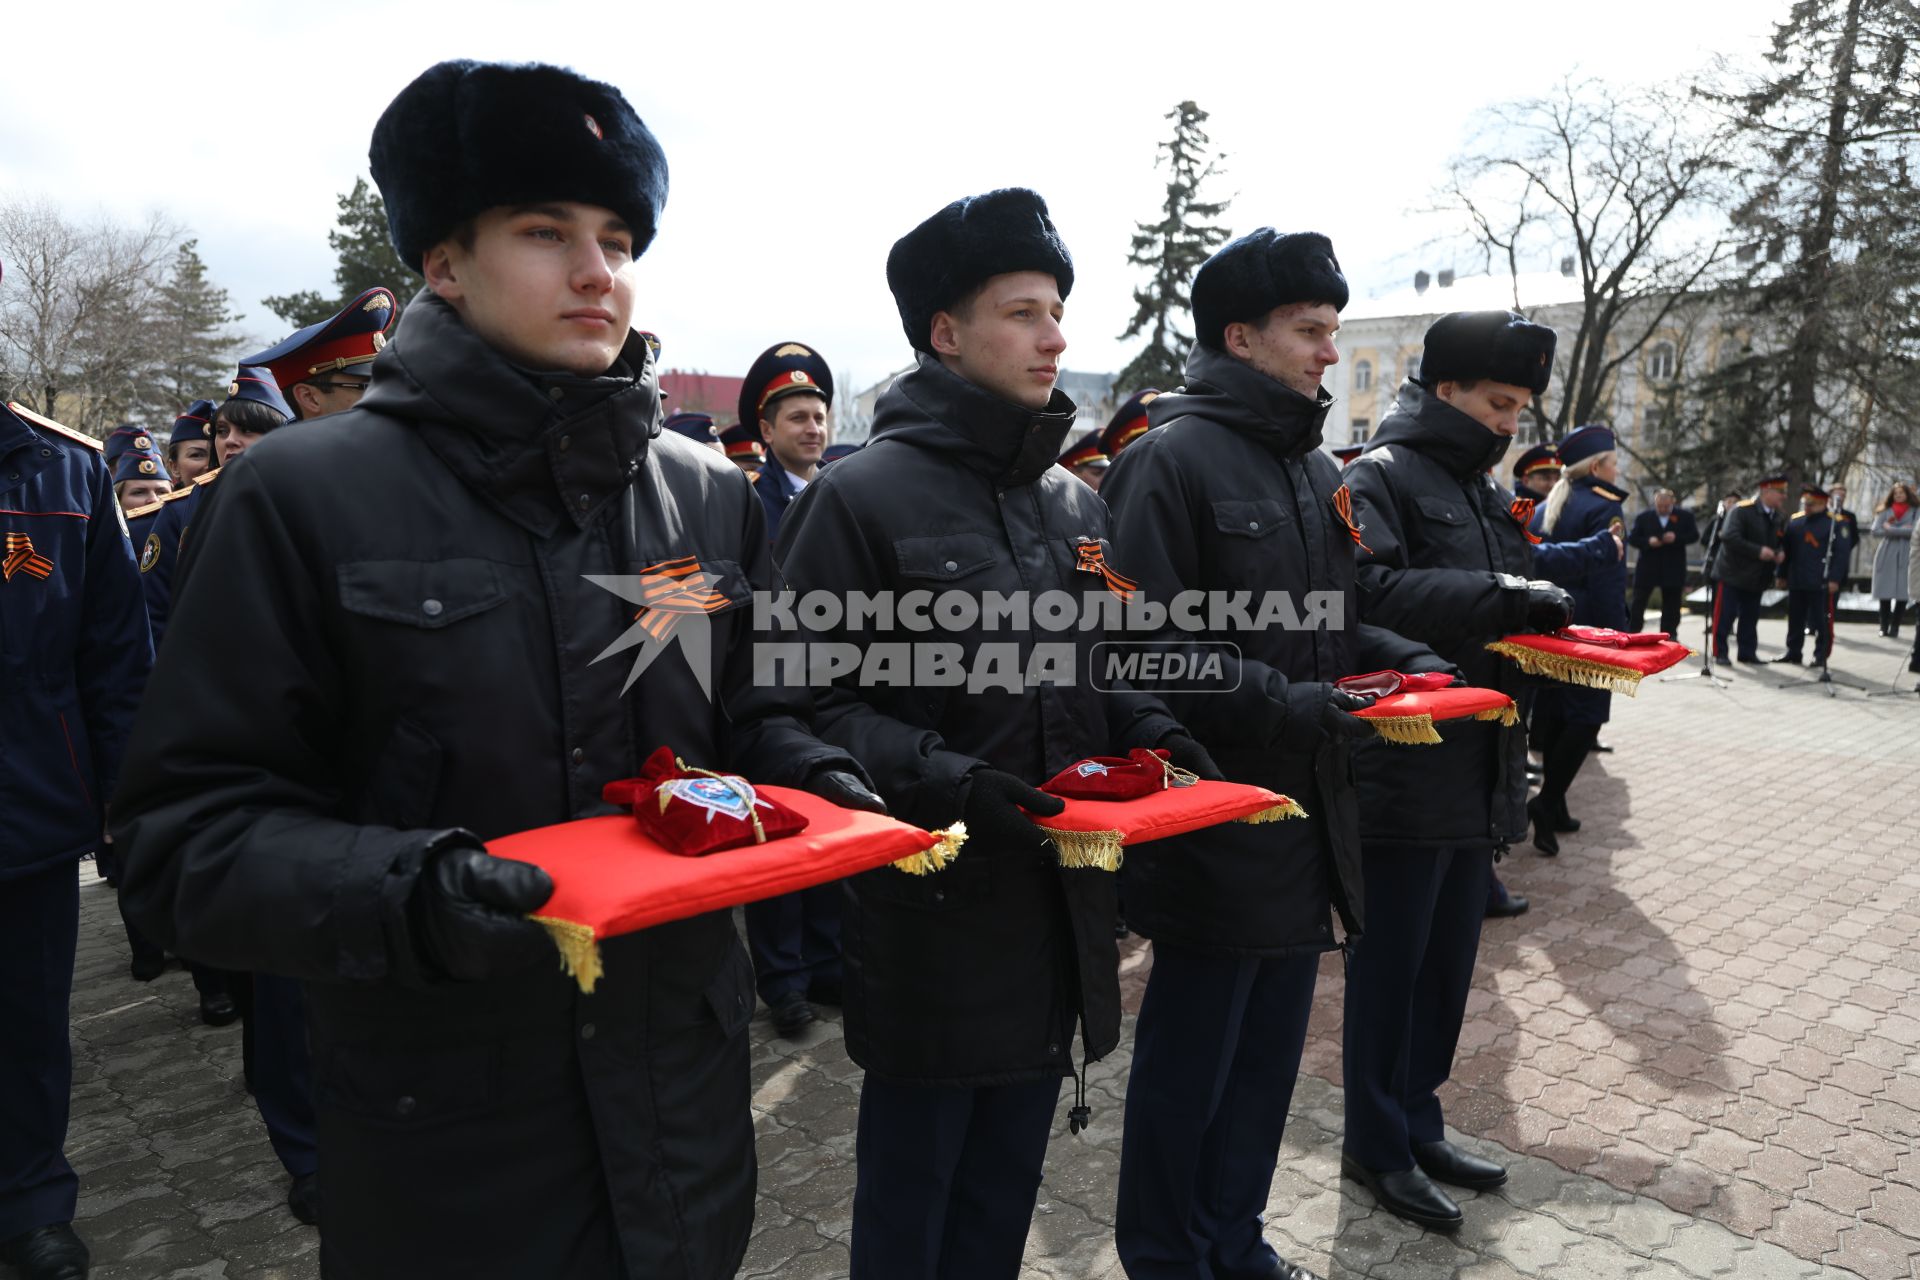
<point x="1092" y="833"/>
<point x="1405" y="706"/>
<point x="1596" y="657"/>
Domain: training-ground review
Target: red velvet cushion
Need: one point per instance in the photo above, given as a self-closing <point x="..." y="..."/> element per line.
<point x="611" y="878"/>
<point x="1593" y="656"/>
<point x="1091" y="833"/>
<point x="693" y="813"/>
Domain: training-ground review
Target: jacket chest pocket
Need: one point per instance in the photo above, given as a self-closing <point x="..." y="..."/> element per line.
<point x="1246" y="542"/>
<point x="950" y="558"/>
<point x="1450" y="531"/>
<point x="430" y="595"/>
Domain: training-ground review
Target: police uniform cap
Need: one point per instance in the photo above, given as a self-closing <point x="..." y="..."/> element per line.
<point x="125" y="438"/>
<point x="140" y="464"/>
<point x="742" y="441"/>
<point x="835" y="452"/>
<point x="193" y="423"/>
<point x="1772" y="482"/>
<point x="256" y="384"/>
<point x="1128" y="423"/>
<point x="692" y="425"/>
<point x="1585" y="442"/>
<point x="1347" y="453"/>
<point x="1541" y="457"/>
<point x="1083" y="452"/>
<point x="351" y="338"/>
<point x="784" y="369"/>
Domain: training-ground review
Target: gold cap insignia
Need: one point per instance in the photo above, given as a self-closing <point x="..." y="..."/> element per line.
<point x="233" y="389"/>
<point x="143" y="442"/>
<point x="791" y="349"/>
<point x="146" y="467"/>
<point x="379" y="342"/>
<point x="800" y="375"/>
<point x="378" y="302"/>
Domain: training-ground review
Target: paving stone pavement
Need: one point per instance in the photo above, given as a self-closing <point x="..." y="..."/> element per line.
<point x="1699" y="1054"/>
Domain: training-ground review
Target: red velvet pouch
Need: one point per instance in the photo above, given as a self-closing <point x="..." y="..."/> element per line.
<point x="692" y="812"/>
<point x="1141" y="773"/>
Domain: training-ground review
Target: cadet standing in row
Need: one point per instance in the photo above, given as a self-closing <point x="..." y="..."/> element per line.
<point x="965" y="987"/>
<point x="1816" y="555"/>
<point x="1746" y="564"/>
<point x="74" y="653"/>
<point x="323" y="818"/>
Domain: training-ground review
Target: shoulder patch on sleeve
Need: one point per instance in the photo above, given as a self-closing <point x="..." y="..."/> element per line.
<point x="150" y="553"/>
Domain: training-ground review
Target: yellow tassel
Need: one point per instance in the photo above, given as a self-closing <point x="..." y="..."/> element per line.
<point x="928" y="861"/>
<point x="1508" y="715"/>
<point x="1566" y="670"/>
<point x="1405" y="730"/>
<point x="1095" y="850"/>
<point x="1291" y="809"/>
<point x="579" y="952"/>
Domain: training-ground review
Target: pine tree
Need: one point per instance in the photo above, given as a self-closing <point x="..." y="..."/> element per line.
<point x="191" y="349"/>
<point x="1172" y="248"/>
<point x="365" y="259"/>
<point x="1832" y="127"/>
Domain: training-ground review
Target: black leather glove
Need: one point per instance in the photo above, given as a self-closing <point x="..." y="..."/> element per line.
<point x="469" y="915"/>
<point x="1317" y="711"/>
<point x="1549" y="607"/>
<point x="997" y="808"/>
<point x="844" y="789"/>
<point x="1187" y="754"/>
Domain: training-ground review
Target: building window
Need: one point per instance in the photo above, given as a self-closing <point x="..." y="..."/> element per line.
<point x="1363" y="376"/>
<point x="1654" y="427"/>
<point x="1413" y="365"/>
<point x="1357" y="431"/>
<point x="1661" y="361"/>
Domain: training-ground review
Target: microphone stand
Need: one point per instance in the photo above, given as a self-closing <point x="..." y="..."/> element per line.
<point x="1706" y="671"/>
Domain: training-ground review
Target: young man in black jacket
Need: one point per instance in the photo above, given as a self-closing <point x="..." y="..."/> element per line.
<point x="965" y="987"/>
<point x="1230" y="494"/>
<point x="432" y="663"/>
<point x="1446" y="561"/>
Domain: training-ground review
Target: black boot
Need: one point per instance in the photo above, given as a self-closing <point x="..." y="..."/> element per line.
<point x="51" y="1252"/>
<point x="1543" y="838"/>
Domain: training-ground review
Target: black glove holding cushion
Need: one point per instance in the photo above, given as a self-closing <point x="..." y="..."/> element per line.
<point x="997" y="809"/>
<point x="847" y="790"/>
<point x="469" y="915"/>
<point x="1184" y="753"/>
<point x="1549" y="607"/>
<point x="1318" y="711"/>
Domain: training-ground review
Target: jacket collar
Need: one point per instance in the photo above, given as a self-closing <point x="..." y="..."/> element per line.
<point x="541" y="447"/>
<point x="1610" y="493"/>
<point x="1009" y="442"/>
<point x="1235" y="394"/>
<point x="1426" y="424"/>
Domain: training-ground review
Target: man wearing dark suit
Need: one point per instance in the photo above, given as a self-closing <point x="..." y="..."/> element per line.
<point x="1661" y="534"/>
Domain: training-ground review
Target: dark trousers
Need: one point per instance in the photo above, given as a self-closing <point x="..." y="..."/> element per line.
<point x="1737" y="606"/>
<point x="1672" y="596"/>
<point x="39" y="928"/>
<point x="946" y="1178"/>
<point x="1215" y="1054"/>
<point x="1808" y="610"/>
<point x="1890" y="612"/>
<point x="278" y="1062"/>
<point x="1407" y="990"/>
<point x="795" y="941"/>
<point x="207" y="981"/>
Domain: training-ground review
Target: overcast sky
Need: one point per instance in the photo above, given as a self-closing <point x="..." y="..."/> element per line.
<point x="804" y="139"/>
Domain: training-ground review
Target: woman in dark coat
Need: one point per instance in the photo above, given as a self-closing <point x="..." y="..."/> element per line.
<point x="1566" y="720"/>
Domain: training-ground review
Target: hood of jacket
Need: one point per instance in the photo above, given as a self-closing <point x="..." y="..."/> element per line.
<point x="1426" y="424"/>
<point x="1239" y="397"/>
<point x="932" y="407"/>
<point x="540" y="447"/>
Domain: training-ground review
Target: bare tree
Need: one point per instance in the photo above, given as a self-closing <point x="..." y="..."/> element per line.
<point x="74" y="339"/>
<point x="1624" y="184"/>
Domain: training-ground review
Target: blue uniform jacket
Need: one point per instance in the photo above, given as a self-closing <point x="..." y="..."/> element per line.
<point x="777" y="493"/>
<point x="1598" y="585"/>
<point x="1563" y="562"/>
<point x="1806" y="550"/>
<point x="74" y="650"/>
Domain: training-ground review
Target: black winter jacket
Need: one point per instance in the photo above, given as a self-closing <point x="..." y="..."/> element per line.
<point x="404" y="590"/>
<point x="1744" y="531"/>
<point x="1230" y="493"/>
<point x="978" y="973"/>
<point x="1444" y="562"/>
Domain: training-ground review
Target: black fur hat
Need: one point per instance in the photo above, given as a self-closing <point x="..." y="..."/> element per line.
<point x="1464" y="346"/>
<point x="468" y="136"/>
<point x="966" y="244"/>
<point x="1260" y="271"/>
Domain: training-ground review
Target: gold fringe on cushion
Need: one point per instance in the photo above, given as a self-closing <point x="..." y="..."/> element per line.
<point x="1291" y="809"/>
<point x="1405" y="730"/>
<point x="579" y="952"/>
<point x="1508" y="715"/>
<point x="1087" y="850"/>
<point x="928" y="861"/>
<point x="1566" y="670"/>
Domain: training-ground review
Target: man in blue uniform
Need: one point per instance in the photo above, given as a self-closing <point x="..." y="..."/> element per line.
<point x="74" y="653"/>
<point x="324" y="367"/>
<point x="786" y="395"/>
<point x="1816" y="555"/>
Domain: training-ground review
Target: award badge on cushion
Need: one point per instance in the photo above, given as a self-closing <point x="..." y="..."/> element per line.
<point x="1405" y="706"/>
<point x="685" y="850"/>
<point x="1113" y="802"/>
<point x="1596" y="657"/>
